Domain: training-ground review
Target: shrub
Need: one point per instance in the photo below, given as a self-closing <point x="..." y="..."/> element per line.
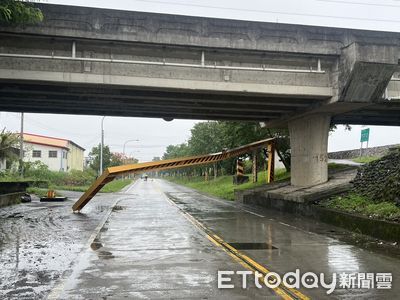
<point x="39" y="171"/>
<point x="79" y="178"/>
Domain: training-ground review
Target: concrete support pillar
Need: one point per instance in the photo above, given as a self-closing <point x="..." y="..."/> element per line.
<point x="309" y="150"/>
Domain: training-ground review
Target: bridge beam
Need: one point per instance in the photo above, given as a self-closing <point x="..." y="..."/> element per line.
<point x="309" y="150"/>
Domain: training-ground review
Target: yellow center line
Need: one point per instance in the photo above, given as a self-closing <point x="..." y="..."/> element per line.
<point x="282" y="290"/>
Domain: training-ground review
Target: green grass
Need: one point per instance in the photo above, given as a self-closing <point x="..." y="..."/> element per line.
<point x="359" y="204"/>
<point x="223" y="186"/>
<point x="116" y="185"/>
<point x="335" y="166"/>
<point x="37" y="191"/>
<point x="365" y="159"/>
<point x="112" y="187"/>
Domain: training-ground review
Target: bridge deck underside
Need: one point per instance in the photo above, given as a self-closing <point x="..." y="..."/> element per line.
<point x="387" y="113"/>
<point x="136" y="102"/>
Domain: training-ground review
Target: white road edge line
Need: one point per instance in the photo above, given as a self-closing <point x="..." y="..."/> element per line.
<point x="253" y="213"/>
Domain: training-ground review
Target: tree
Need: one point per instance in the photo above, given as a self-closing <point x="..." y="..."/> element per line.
<point x="110" y="159"/>
<point x="8" y="144"/>
<point x="174" y="151"/>
<point x="119" y="159"/>
<point x="130" y="160"/>
<point x="212" y="136"/>
<point x="14" y="12"/>
<point x="206" y="137"/>
<point x="95" y="157"/>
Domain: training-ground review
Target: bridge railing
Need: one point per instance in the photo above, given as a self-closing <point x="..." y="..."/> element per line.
<point x="110" y="173"/>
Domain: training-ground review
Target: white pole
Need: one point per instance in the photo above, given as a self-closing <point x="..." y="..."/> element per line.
<point x="101" y="146"/>
<point x="21" y="146"/>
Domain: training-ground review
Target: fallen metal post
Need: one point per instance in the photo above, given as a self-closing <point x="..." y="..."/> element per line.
<point x="110" y="173"/>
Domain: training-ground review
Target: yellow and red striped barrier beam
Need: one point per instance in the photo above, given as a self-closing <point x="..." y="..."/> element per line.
<point x="110" y="173"/>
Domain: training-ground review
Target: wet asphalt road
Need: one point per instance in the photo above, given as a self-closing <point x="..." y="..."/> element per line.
<point x="147" y="249"/>
<point x="139" y="245"/>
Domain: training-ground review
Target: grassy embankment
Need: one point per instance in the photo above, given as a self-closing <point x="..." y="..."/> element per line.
<point x="365" y="159"/>
<point x="375" y="191"/>
<point x="43" y="179"/>
<point x="112" y="187"/>
<point x="355" y="203"/>
<point x="223" y="186"/>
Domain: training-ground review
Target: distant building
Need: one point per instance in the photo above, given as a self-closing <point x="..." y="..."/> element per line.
<point x="58" y="154"/>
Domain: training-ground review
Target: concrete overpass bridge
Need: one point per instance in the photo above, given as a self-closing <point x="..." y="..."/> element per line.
<point x="109" y="62"/>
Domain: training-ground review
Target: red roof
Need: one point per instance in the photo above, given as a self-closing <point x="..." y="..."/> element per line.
<point x="48" y="141"/>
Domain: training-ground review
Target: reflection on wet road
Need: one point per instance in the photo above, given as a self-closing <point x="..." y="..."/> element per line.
<point x="147" y="249"/>
<point x="295" y="247"/>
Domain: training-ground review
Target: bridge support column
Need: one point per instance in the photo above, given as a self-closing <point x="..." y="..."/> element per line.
<point x="309" y="150"/>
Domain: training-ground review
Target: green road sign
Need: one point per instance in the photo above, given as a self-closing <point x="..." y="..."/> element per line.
<point x="364" y="135"/>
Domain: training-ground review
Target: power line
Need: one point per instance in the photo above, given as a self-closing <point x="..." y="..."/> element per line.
<point x="47" y="127"/>
<point x="268" y="11"/>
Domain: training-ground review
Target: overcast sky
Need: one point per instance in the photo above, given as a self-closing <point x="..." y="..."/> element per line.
<point x="155" y="134"/>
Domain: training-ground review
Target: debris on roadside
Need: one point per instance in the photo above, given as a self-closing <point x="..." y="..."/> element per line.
<point x="26" y="198"/>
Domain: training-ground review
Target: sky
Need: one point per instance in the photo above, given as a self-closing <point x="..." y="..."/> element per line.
<point x="155" y="134"/>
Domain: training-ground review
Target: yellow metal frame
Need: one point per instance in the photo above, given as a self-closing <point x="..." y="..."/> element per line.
<point x="110" y="173"/>
<point x="271" y="162"/>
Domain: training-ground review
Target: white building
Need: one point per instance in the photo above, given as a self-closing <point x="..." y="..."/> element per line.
<point x="58" y="154"/>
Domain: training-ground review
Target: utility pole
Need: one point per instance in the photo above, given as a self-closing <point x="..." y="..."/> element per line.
<point x="101" y="146"/>
<point x="21" y="146"/>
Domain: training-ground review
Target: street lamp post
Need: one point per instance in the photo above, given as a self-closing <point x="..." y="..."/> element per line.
<point x="126" y="142"/>
<point x="101" y="146"/>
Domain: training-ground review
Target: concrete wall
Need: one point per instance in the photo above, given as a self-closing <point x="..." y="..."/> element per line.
<point x="129" y="26"/>
<point x="354" y="153"/>
<point x="75" y="157"/>
<point x="13" y="187"/>
<point x="10" y="199"/>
